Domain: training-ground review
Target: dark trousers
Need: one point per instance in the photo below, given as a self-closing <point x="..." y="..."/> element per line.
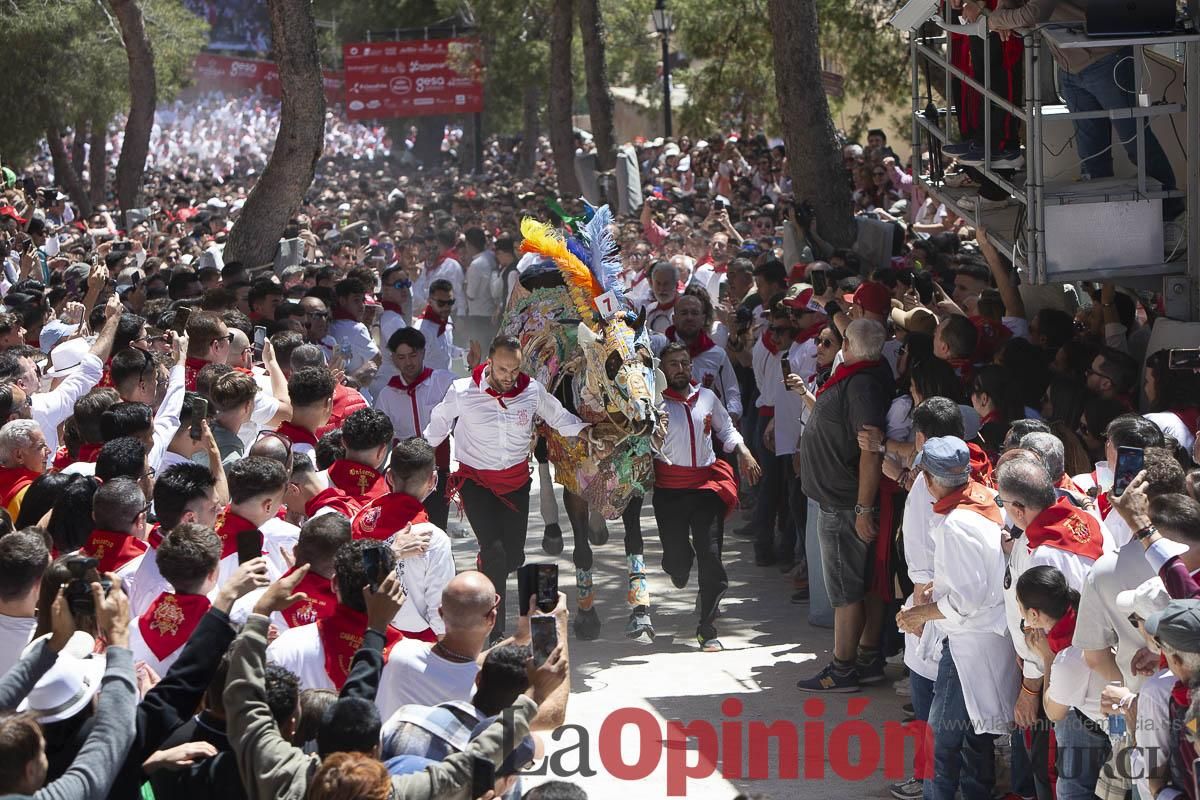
<point x="791" y="544"/>
<point x="685" y="526"/>
<point x="436" y="505"/>
<point x="1007" y="83"/>
<point x="500" y="532"/>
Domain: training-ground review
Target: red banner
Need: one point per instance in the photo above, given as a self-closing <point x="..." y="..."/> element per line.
<point x="246" y="74"/>
<point x="412" y="78"/>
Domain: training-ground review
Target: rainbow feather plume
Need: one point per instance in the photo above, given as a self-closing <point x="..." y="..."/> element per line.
<point x="540" y="238"/>
<point x="604" y="258"/>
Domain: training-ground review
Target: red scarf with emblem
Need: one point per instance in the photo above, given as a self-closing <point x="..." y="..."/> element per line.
<point x="981" y="466"/>
<point x="228" y="526"/>
<point x="357" y="480"/>
<point x="1063" y="631"/>
<point x="386" y="516"/>
<point x="521" y="385"/>
<point x="170" y="620"/>
<point x="334" y="498"/>
<point x="972" y="497"/>
<point x="1067" y="528"/>
<point x="433" y="317"/>
<point x="701" y="344"/>
<point x="341" y="634"/>
<point x="297" y="434"/>
<point x="113" y="549"/>
<point x="13" y="480"/>
<point x="845" y="372"/>
<point x="319" y="604"/>
<point x="191" y="368"/>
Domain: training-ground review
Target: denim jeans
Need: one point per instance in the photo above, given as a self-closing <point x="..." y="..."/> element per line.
<point x="922" y="699"/>
<point x="1096" y="88"/>
<point x="1083" y="749"/>
<point x="961" y="758"/>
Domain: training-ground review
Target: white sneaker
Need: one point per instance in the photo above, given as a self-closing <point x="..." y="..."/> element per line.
<point x="977" y="202"/>
<point x="960" y="180"/>
<point x="903" y="687"/>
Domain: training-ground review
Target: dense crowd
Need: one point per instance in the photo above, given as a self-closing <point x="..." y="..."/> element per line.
<point x="225" y="487"/>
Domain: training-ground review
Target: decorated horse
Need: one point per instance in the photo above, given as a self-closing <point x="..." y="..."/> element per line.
<point x="581" y="339"/>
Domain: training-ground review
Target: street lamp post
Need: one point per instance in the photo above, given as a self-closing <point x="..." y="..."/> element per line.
<point x="662" y="24"/>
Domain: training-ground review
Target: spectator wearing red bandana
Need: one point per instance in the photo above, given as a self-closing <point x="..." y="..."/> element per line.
<point x="23" y="454"/>
<point x="435" y="325"/>
<point x="209" y="342"/>
<point x="311" y="391"/>
<point x="348" y="328"/>
<point x="711" y="367"/>
<point x="119" y="539"/>
<point x="366" y="435"/>
<point x="256" y="489"/>
<point x="664" y="286"/>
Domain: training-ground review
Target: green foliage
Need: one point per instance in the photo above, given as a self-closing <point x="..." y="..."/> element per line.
<point x="65" y="62"/>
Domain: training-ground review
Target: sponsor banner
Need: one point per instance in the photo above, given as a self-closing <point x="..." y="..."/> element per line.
<point x="412" y="78"/>
<point x="234" y="74"/>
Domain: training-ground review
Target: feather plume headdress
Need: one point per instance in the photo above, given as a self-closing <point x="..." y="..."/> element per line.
<point x="589" y="263"/>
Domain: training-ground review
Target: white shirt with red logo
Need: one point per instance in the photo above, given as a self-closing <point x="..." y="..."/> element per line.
<point x="690" y="427"/>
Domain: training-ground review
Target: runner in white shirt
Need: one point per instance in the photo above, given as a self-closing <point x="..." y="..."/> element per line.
<point x="693" y="487"/>
<point x="711" y="367"/>
<point x="348" y="328"/>
<point x="409" y="399"/>
<point x="492" y="414"/>
<point x="23" y="560"/>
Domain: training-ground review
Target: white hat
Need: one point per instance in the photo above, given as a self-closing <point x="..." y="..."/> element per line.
<point x="657" y="142"/>
<point x="671" y="150"/>
<point x="344" y="207"/>
<point x="69" y="685"/>
<point x="67" y="357"/>
<point x="1146" y="600"/>
<point x="216" y="202"/>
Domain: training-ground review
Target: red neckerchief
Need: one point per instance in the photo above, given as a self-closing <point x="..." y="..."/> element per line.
<point x="1067" y="528"/>
<point x="641" y="277"/>
<point x="1103" y="504"/>
<point x="256" y="316"/>
<point x="992" y="416"/>
<point x="520" y="386"/>
<point x="155" y="536"/>
<point x="62" y="459"/>
<point x="385" y="516"/>
<point x="397" y="382"/>
<point x="1180" y="694"/>
<point x="811" y="331"/>
<point x="88" y="453"/>
<point x="690" y="400"/>
<point x="972" y="497"/>
<point x="666" y="306"/>
<point x="170" y="620"/>
<point x="341" y="634"/>
<point x="191" y="368"/>
<point x="114" y="549"/>
<point x="432" y="316"/>
<point x="297" y="434"/>
<point x="845" y="372"/>
<point x="964" y="368"/>
<point x="451" y="254"/>
<point x="388" y="305"/>
<point x="1190" y="417"/>
<point x="228" y="526"/>
<point x="357" y="480"/>
<point x="981" y="465"/>
<point x="341" y="313"/>
<point x="768" y="340"/>
<point x="701" y="344"/>
<point x="13" y="480"/>
<point x="1063" y="632"/>
<point x="320" y="600"/>
<point x="334" y="498"/>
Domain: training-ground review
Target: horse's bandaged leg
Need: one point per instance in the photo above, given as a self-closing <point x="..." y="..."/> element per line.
<point x="547" y="502"/>
<point x="639" y="591"/>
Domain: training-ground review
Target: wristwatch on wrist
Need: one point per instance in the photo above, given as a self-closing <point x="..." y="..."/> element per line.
<point x="859" y="510"/>
<point x="1145" y="533"/>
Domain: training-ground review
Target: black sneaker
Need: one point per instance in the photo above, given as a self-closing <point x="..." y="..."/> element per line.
<point x="828" y="680"/>
<point x="870" y="670"/>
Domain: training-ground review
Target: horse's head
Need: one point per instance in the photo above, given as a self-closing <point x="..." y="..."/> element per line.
<point x="621" y="366"/>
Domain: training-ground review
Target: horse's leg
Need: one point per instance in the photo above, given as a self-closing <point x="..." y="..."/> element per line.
<point x="597" y="528"/>
<point x="552" y="541"/>
<point x="640" y="626"/>
<point x="587" y="621"/>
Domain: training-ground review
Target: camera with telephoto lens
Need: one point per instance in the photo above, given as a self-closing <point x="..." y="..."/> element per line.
<point x="79" y="589"/>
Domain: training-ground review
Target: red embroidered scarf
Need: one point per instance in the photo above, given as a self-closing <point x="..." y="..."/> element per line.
<point x="357" y="480"/>
<point x="341" y="635"/>
<point x="169" y="621"/>
<point x="319" y="602"/>
<point x="1067" y="528"/>
<point x="228" y="526"/>
<point x="297" y="434"/>
<point x="384" y="516"/>
<point x="113" y="549"/>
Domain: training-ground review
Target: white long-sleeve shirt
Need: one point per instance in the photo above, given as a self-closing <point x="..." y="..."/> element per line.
<point x="493" y="433"/>
<point x="712" y="370"/>
<point x="52" y="407"/>
<point x="356" y="335"/>
<point x="968" y="573"/>
<point x="483" y="285"/>
<point x="410" y="413"/>
<point x="166" y="419"/>
<point x="440" y="349"/>
<point x="390" y="322"/>
<point x="424" y="577"/>
<point x="447" y="269"/>
<point x="690" y="427"/>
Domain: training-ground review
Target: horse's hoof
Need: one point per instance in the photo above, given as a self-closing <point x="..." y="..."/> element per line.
<point x="552" y="540"/>
<point x="587" y="624"/>
<point x="598" y="531"/>
<point x="640" y="629"/>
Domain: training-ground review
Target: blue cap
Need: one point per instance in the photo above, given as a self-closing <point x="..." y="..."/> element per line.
<point x="946" y="459"/>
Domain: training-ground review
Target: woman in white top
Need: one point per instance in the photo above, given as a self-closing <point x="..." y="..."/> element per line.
<point x="1071" y="693"/>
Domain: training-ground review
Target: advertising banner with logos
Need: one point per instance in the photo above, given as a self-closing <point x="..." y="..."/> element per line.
<point x="246" y="74"/>
<point x="412" y="78"/>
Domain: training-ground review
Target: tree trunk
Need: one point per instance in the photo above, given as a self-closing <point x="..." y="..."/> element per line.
<point x="813" y="155"/>
<point x="78" y="156"/>
<point x="65" y="174"/>
<point x="98" y="163"/>
<point x="427" y="149"/>
<point x="562" y="101"/>
<point x="531" y="130"/>
<point x="289" y="172"/>
<point x="143" y="94"/>
<point x="599" y="96"/>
